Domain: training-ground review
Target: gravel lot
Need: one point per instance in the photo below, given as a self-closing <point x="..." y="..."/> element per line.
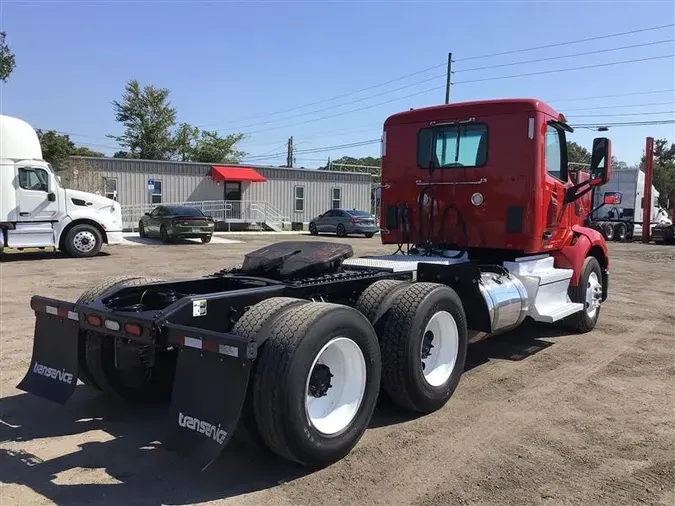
<point x="540" y="417"/>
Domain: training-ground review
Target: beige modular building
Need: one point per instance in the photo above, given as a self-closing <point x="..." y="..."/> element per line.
<point x="235" y="195"/>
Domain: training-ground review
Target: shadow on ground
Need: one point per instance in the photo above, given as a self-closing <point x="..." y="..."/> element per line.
<point x="142" y="470"/>
<point x="18" y="256"/>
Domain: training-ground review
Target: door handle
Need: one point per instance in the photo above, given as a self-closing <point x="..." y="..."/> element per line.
<point x="24" y="214"/>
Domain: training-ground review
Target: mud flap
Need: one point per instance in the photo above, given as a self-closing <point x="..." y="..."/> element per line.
<point x="208" y="395"/>
<point x="53" y="367"/>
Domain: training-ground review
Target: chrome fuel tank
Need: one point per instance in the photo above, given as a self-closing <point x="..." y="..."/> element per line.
<point x="507" y="302"/>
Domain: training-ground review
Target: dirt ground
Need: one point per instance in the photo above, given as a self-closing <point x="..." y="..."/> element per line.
<point x="540" y="417"/>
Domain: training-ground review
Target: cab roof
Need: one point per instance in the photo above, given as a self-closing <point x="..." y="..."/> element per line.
<point x="465" y="110"/>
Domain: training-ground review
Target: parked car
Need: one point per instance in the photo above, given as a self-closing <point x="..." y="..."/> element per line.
<point x="173" y="222"/>
<point x="343" y="222"/>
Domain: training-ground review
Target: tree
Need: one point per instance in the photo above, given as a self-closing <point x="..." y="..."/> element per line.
<point x="7" y="60"/>
<point x="148" y="118"/>
<point x="150" y="131"/>
<point x="209" y="147"/>
<point x="56" y="148"/>
<point x="577" y="153"/>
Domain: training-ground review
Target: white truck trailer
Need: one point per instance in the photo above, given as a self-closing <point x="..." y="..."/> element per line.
<point x="37" y="212"/>
<point x="618" y="206"/>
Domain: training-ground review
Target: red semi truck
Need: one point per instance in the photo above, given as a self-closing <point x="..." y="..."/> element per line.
<point x="294" y="346"/>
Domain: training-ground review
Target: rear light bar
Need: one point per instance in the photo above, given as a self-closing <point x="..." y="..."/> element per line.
<point x="94" y="320"/>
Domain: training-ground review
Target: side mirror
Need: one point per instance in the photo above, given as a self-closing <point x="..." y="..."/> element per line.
<point x="601" y="161"/>
<point x="612" y="198"/>
<point x="51" y="197"/>
<point x="147" y="214"/>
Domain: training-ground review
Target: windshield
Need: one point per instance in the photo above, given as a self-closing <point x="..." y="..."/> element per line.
<point x="185" y="211"/>
<point x="57" y="177"/>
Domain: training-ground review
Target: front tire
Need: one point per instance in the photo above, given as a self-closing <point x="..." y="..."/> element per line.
<point x="206" y="239"/>
<point x="341" y="230"/>
<point x="317" y="383"/>
<point x="589" y="293"/>
<point x="424" y="344"/>
<point x="312" y="229"/>
<point x="83" y="241"/>
<point x="141" y="230"/>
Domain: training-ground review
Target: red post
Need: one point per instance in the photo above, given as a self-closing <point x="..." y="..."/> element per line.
<point x="647" y="202"/>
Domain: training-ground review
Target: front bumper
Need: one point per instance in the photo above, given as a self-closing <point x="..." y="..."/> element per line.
<point x="114" y="236"/>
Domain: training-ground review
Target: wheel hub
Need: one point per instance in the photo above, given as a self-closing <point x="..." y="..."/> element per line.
<point x="593" y="294"/>
<point x="319" y="382"/>
<point x="84" y="241"/>
<point x="427" y="345"/>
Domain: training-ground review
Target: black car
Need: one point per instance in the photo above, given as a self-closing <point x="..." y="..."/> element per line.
<point x="173" y="222"/>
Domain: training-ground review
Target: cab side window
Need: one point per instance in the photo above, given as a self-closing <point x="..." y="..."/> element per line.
<point x="554" y="154"/>
<point x="33" y="179"/>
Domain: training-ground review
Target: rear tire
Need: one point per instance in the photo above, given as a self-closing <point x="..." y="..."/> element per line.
<point x="591" y="279"/>
<point x="608" y="231"/>
<point x="424" y="317"/>
<point x="255" y="325"/>
<point x="164" y="234"/>
<point x="97" y="358"/>
<point x="317" y="350"/>
<point x="369" y="235"/>
<point x="620" y="232"/>
<point x="83" y="241"/>
<point x="371" y="301"/>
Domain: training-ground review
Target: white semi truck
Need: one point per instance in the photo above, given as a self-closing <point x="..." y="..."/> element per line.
<point x="37" y="212"/>
<point x="618" y="206"/>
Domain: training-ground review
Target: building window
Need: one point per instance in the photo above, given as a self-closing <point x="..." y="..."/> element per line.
<point x="156" y="192"/>
<point x="110" y="185"/>
<point x="34" y="179"/>
<point x="337" y="198"/>
<point x="299" y="199"/>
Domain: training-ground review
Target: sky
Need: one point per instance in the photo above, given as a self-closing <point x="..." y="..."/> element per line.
<point x="276" y="69"/>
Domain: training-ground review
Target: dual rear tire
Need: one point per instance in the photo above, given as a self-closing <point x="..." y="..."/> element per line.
<point x="316" y="380"/>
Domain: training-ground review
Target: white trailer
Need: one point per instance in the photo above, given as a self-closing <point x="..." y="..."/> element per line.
<point x="37" y="212"/>
<point x="621" y="217"/>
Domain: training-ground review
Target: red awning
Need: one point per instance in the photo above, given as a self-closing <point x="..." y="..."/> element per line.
<point x="232" y="173"/>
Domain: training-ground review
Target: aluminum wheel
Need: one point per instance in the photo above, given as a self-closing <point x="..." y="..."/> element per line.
<point x="84" y="241"/>
<point x="335" y="386"/>
<point x="440" y="346"/>
<point x="593" y="294"/>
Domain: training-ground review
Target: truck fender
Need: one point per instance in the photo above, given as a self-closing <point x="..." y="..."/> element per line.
<point x="67" y="223"/>
<point x="581" y="243"/>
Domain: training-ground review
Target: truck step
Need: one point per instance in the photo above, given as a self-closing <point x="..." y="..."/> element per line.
<point x="555" y="312"/>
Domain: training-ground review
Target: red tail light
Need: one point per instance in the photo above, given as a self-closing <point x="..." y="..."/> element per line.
<point x="94" y="320"/>
<point x="354" y="220"/>
<point x="133" y="329"/>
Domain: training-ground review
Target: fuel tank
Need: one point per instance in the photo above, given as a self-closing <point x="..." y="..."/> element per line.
<point x="507" y="302"/>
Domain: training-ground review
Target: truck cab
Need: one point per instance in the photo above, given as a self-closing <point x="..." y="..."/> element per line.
<point x="37" y="212"/>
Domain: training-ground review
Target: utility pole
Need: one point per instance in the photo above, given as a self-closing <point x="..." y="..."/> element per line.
<point x="328" y="164"/>
<point x="289" y="153"/>
<point x="647" y="192"/>
<point x="447" y="81"/>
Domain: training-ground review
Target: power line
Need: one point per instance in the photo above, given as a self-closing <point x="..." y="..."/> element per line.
<point x="654" y="92"/>
<point x="618" y="115"/>
<point x="560" y="57"/>
<point x="520" y="50"/>
<point x="620" y="106"/>
<point x="584" y="67"/>
<point x="436" y="77"/>
<point x="624" y="123"/>
<point x="541" y="72"/>
<point x="558" y="44"/>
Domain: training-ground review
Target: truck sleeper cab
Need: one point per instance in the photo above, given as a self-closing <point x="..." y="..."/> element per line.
<point x="37" y="212"/>
<point x="296" y="343"/>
